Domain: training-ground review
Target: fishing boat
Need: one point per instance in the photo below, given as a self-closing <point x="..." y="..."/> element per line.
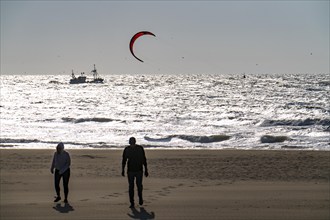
<point x="80" y="79"/>
<point x="97" y="78"/>
<point x="83" y="79"/>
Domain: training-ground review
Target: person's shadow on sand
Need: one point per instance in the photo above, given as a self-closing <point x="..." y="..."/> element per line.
<point x="63" y="209"/>
<point x="142" y="214"/>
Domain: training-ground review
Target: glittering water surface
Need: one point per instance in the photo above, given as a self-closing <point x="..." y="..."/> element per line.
<point x="167" y="111"/>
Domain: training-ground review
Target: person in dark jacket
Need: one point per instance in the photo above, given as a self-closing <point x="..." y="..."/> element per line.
<point x="135" y="158"/>
<point x="61" y="163"/>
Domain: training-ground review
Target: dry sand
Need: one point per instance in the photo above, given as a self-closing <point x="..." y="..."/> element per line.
<point x="183" y="184"/>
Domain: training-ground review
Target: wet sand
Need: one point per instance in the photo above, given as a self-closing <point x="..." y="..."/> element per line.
<point x="183" y="184"/>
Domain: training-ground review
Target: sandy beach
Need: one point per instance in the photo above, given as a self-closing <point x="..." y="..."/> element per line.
<point x="183" y="184"/>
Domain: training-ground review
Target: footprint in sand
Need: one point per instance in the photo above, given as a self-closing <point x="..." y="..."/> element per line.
<point x="111" y="195"/>
<point x="162" y="194"/>
<point x="165" y="191"/>
<point x="152" y="198"/>
<point x="108" y="196"/>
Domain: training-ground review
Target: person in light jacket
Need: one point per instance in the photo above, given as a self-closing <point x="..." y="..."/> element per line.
<point x="61" y="163"/>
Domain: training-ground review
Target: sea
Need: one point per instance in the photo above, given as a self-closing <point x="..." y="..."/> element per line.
<point x="260" y="111"/>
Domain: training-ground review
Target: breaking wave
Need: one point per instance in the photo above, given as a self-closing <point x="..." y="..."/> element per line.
<point x="16" y="141"/>
<point x="273" y="139"/>
<point x="4" y="142"/>
<point x="204" y="139"/>
<point x="324" y="83"/>
<point x="81" y="120"/>
<point x="306" y="122"/>
<point x="165" y="139"/>
<point x="191" y="138"/>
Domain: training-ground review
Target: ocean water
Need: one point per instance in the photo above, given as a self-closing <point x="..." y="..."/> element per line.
<point x="167" y="111"/>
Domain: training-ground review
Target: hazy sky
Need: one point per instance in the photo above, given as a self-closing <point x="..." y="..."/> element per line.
<point x="54" y="37"/>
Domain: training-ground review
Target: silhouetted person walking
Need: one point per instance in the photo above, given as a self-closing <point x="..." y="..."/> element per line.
<point x="135" y="157"/>
<point x="61" y="163"/>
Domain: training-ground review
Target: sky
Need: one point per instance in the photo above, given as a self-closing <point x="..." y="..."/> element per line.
<point x="192" y="37"/>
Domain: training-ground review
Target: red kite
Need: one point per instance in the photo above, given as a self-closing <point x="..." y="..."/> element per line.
<point x="136" y="36"/>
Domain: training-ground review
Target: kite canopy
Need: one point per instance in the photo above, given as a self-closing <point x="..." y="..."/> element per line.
<point x="136" y="36"/>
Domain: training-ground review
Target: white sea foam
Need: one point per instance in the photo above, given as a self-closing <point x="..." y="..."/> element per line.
<point x="166" y="111"/>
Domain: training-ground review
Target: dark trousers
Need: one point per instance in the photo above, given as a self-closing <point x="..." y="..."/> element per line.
<point x="66" y="177"/>
<point x="135" y="176"/>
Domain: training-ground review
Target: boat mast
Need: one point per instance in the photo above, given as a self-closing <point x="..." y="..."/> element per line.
<point x="72" y="74"/>
<point x="95" y="72"/>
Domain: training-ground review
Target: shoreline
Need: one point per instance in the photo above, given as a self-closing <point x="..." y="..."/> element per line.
<point x="183" y="184"/>
<point x="160" y="148"/>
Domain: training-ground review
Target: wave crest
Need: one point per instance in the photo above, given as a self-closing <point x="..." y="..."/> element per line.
<point x="81" y="120"/>
<point x="191" y="138"/>
<point x="273" y="139"/>
<point x="305" y="122"/>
